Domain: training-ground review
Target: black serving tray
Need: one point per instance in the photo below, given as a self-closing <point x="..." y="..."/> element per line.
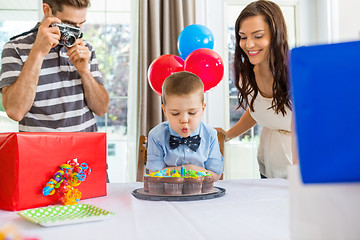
<point x="141" y="194"/>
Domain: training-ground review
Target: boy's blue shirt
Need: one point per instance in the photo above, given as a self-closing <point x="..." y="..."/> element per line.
<point x="159" y="154"/>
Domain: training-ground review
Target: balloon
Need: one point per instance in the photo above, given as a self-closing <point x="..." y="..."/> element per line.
<point x="161" y="68"/>
<point x="206" y="64"/>
<point x="194" y="37"/>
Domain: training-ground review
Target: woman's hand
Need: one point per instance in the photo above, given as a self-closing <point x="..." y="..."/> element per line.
<point x="227" y="138"/>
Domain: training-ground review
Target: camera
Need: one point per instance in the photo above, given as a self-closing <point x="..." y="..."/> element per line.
<point x="69" y="33"/>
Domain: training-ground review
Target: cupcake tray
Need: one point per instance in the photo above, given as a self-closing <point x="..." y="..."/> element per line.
<point x="141" y="194"/>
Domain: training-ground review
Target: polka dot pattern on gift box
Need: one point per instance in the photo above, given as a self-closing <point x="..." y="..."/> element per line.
<point x="60" y="215"/>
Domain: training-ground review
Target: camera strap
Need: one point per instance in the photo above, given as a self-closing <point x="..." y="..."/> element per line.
<point x="35" y="29"/>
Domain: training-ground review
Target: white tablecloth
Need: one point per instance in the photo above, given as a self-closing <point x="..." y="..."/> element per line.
<point x="250" y="209"/>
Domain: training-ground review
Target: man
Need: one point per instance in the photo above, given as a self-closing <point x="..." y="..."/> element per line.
<point x="47" y="86"/>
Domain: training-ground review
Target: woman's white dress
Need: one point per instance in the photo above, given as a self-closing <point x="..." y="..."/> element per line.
<point x="274" y="153"/>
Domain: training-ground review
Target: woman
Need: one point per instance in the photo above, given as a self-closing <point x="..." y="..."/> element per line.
<point x="261" y="67"/>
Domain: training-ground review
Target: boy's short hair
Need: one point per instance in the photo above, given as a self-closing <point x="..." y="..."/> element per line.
<point x="182" y="83"/>
<point x="57" y="5"/>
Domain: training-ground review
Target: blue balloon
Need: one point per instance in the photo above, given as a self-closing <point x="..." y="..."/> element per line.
<point x="194" y="37"/>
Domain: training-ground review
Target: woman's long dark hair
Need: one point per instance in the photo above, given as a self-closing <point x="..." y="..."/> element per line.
<point x="278" y="58"/>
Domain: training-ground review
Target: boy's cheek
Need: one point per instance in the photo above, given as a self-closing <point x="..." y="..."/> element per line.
<point x="171" y="122"/>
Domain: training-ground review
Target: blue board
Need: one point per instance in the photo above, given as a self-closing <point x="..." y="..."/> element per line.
<point x="326" y="94"/>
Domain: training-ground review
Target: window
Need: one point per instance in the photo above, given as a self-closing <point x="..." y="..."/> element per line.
<point x="16" y="17"/>
<point x="109" y="29"/>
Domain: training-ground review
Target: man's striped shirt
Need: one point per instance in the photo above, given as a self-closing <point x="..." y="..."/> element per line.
<point x="59" y="104"/>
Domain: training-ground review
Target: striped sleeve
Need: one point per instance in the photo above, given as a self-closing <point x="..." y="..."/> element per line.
<point x="11" y="65"/>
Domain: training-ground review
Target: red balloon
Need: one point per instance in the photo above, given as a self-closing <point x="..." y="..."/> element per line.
<point x="206" y="64"/>
<point x="161" y="68"/>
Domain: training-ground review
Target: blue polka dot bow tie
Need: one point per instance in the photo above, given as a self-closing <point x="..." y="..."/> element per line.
<point x="192" y="142"/>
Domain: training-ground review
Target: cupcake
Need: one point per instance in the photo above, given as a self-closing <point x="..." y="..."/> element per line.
<point x="208" y="184"/>
<point x="146" y="182"/>
<point x="193" y="183"/>
<point x="173" y="184"/>
<point x="155" y="184"/>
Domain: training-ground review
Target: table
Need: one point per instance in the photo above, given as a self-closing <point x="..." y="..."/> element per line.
<point x="250" y="209"/>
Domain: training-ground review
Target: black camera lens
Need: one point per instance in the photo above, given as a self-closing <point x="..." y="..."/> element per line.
<point x="68" y="39"/>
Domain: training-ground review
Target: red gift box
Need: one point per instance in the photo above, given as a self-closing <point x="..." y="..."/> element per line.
<point x="29" y="160"/>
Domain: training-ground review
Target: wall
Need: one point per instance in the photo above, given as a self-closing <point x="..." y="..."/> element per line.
<point x="6" y="124"/>
<point x="349" y="20"/>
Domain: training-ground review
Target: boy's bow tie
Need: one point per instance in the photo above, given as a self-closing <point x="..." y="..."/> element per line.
<point x="192" y="142"/>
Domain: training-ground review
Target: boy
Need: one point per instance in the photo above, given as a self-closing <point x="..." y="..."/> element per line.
<point x="184" y="139"/>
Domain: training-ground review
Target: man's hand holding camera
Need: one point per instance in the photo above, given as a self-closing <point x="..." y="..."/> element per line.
<point x="52" y="32"/>
<point x="47" y="37"/>
<point x="79" y="55"/>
